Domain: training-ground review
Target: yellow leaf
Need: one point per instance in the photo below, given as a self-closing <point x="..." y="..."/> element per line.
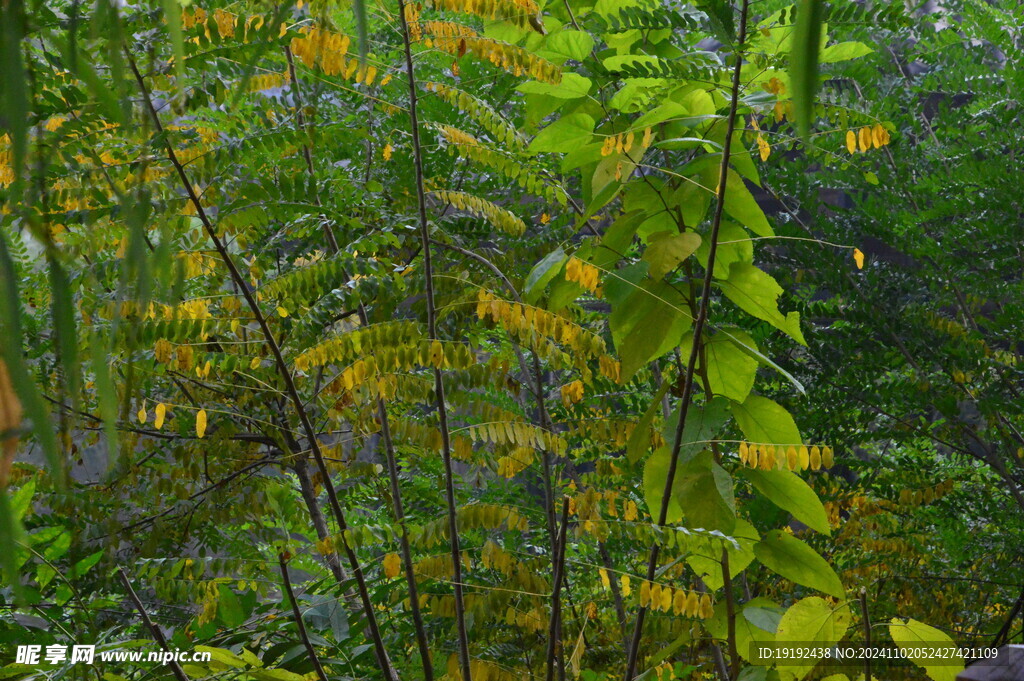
<point x="161" y="413"/>
<point x="281" y="311"/>
<point x="851" y="142"/>
<point x="858" y="257"/>
<point x="201" y="423"/>
<point x="141" y="415"/>
<point x="764" y="148"/>
<point x="624" y="583"/>
<point x="864" y="139"/>
<point x="386" y="153"/>
<point x="392" y="565"/>
<point x="254" y="363"/>
<point x="10" y="419"/>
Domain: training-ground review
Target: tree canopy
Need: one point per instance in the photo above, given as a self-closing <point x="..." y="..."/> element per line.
<point x="496" y="340"/>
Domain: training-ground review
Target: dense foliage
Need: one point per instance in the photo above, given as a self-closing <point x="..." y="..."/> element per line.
<point x="488" y="339"/>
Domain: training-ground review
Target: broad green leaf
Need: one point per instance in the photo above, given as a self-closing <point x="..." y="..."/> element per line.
<point x="740" y="204"/>
<point x="275" y="675"/>
<point x="542" y="273"/>
<point x="705" y="494"/>
<point x="565" y="134"/>
<point x="709" y="568"/>
<point x="640" y="439"/>
<point x="811" y="622"/>
<point x="570" y="45"/>
<point x="11" y="352"/>
<point x="915" y="637"/>
<point x="803" y="61"/>
<point x="665" y="250"/>
<point x="844" y="52"/>
<point x="648" y="318"/>
<point x="573" y="86"/>
<point x="229" y="609"/>
<point x="11" y="535"/>
<point x="63" y="309"/>
<point x="764" y="421"/>
<point x="746" y="631"/>
<point x="702" y="424"/>
<point x="730" y="367"/>
<point x="225" y="657"/>
<point x="788" y="491"/>
<point x="757" y="293"/>
<point x="734" y="245"/>
<point x="791" y="558"/>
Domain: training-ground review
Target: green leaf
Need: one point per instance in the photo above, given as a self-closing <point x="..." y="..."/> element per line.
<point x="709" y="568"/>
<point x="542" y="273"/>
<point x="757" y="293"/>
<point x="564" y="135"/>
<point x="11" y="352"/>
<point x="731" y="369"/>
<point x="844" y="51"/>
<point x="573" y="86"/>
<point x="229" y="609"/>
<point x="740" y="204"/>
<point x="764" y="421"/>
<point x="803" y="62"/>
<point x="811" y="622"/>
<point x="11" y="534"/>
<point x="665" y="250"/>
<point x="734" y="245"/>
<point x="704" y="491"/>
<point x="569" y="45"/>
<point x="914" y="638"/>
<point x="172" y="15"/>
<point x="788" y="491"/>
<point x="640" y="439"/>
<point x="648" y="318"/>
<point x="275" y="675"/>
<point x="702" y="424"/>
<point x="225" y="657"/>
<point x="791" y="558"/>
<point x="63" y="309"/>
<point x="746" y="631"/>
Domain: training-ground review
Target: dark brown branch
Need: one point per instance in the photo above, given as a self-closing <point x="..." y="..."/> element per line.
<point x="554" y="626"/>
<point x="179" y="673"/>
<point x="698" y="330"/>
<point x="283" y="561"/>
<point x="373" y="628"/>
<point x="442" y="409"/>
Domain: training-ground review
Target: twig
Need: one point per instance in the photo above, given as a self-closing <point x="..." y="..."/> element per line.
<point x="179" y="673"/>
<point x="283" y="561"/>
<point x="698" y="329"/>
<point x="554" y="636"/>
<point x="442" y="409"/>
<point x="373" y="628"/>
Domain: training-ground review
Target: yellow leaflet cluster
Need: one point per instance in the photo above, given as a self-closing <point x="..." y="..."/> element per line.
<point x="916" y="497"/>
<point x="499" y="217"/>
<point x="403" y="357"/>
<point x="493" y="557"/>
<point x="329" y="50"/>
<point x="572" y="393"/>
<point x="609" y="431"/>
<point x="479" y="111"/>
<point x="469" y="147"/>
<point x="515" y="462"/>
<point x="519" y="12"/>
<point x="227" y="23"/>
<point x="472" y="517"/>
<point x="482" y="670"/>
<point x="622" y="143"/>
<point x="523" y="321"/>
<point x="866" y="138"/>
<point x="360" y="341"/>
<point x="583" y="273"/>
<point x="770" y="457"/>
<point x="679" y="601"/>
<point x="510" y="58"/>
<point x="267" y="81"/>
